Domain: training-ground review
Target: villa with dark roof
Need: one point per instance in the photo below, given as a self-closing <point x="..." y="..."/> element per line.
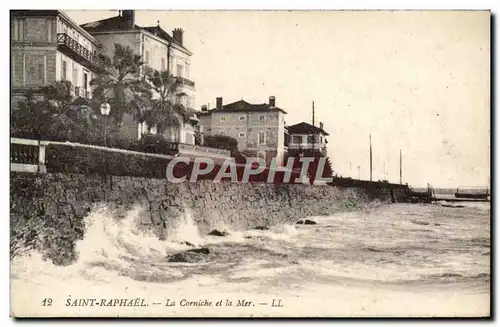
<point x="258" y="128"/>
<point x="304" y="136"/>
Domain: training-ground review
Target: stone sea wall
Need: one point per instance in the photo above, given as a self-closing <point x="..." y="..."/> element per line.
<point x="47" y="210"/>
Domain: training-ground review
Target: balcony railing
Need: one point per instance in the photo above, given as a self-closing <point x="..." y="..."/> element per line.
<point x="185" y="81"/>
<point x="78" y="52"/>
<point x="292" y="145"/>
<point x="81" y="92"/>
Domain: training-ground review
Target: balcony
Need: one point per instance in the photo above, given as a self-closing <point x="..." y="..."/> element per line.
<point x="293" y="147"/>
<point x="78" y="52"/>
<point x="185" y="81"/>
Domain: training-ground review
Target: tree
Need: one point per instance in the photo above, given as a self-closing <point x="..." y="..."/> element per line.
<point x="56" y="116"/>
<point x="221" y="142"/>
<point x="165" y="111"/>
<point x="119" y="84"/>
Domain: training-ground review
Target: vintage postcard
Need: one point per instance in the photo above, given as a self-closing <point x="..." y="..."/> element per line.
<point x="250" y="163"/>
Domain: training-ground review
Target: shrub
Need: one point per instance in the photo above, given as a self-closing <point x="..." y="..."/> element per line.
<point x="156" y="143"/>
<point x="221" y="142"/>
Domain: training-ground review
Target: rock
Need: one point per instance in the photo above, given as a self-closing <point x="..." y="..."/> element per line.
<point x="200" y="250"/>
<point x="262" y="228"/>
<point x="190" y="256"/>
<point x="187" y="243"/>
<point x="306" y="222"/>
<point x="424" y="223"/>
<point x="216" y="232"/>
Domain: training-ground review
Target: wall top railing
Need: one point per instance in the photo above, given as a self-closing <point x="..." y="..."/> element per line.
<point x="197" y="150"/>
<point x="25" y="159"/>
<point x="29" y="155"/>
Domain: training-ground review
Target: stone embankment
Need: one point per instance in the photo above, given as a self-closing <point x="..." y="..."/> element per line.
<point x="47" y="211"/>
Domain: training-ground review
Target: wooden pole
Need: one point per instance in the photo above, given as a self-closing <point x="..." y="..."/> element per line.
<point x="400" y="167"/>
<point x="371" y="160"/>
<point x="313" y="114"/>
<point x="313" y="152"/>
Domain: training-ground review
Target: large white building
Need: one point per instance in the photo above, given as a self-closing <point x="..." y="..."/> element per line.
<point x="160" y="51"/>
<point x="48" y="46"/>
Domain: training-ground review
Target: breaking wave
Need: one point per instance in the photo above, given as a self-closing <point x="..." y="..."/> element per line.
<point x="370" y="248"/>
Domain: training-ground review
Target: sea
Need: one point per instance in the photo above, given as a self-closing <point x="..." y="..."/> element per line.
<point x="389" y="260"/>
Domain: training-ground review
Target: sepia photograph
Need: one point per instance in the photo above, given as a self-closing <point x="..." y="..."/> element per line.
<point x="250" y="163"/>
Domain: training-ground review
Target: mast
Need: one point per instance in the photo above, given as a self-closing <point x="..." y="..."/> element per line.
<point x="313" y="114"/>
<point x="313" y="152"/>
<point x="400" y="167"/>
<point x="371" y="160"/>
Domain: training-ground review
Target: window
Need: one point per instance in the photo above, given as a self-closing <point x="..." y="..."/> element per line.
<point x="85" y="83"/>
<point x="179" y="71"/>
<point x="262" y="119"/>
<point x="297" y="139"/>
<point x="222" y="119"/>
<point x="163" y="64"/>
<point x="321" y="138"/>
<point x="18" y="29"/>
<point x="187" y="70"/>
<point x="146" y="60"/>
<point x="85" y="80"/>
<point x="242" y="118"/>
<point x="262" y="138"/>
<point x="64" y="70"/>
<point x="222" y="133"/>
<point x="312" y="139"/>
<point x="75" y="75"/>
<point x="242" y="134"/>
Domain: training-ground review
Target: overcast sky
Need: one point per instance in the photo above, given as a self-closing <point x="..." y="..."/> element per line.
<point x="417" y="81"/>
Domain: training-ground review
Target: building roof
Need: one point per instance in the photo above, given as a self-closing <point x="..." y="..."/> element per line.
<point x="119" y="23"/>
<point x="305" y="128"/>
<point x="108" y="24"/>
<point x="243" y="106"/>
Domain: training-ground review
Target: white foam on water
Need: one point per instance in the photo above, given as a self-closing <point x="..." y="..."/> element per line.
<point x="185" y="230"/>
<point x="117" y="259"/>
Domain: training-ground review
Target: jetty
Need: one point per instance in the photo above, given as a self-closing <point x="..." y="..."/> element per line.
<point x="429" y="195"/>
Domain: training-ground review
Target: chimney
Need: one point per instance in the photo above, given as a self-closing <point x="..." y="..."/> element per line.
<point x="272" y="101"/>
<point x="321" y="125"/>
<point x="177" y="34"/>
<point x="129" y="16"/>
<point x="204" y="107"/>
<point x="219" y="103"/>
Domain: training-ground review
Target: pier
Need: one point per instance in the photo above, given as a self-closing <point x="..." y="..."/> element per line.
<point x="429" y="195"/>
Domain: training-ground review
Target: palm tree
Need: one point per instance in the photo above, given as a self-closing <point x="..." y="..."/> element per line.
<point x="165" y="110"/>
<point x="119" y="84"/>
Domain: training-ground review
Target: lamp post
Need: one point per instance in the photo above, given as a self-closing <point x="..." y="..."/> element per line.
<point x="105" y="109"/>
